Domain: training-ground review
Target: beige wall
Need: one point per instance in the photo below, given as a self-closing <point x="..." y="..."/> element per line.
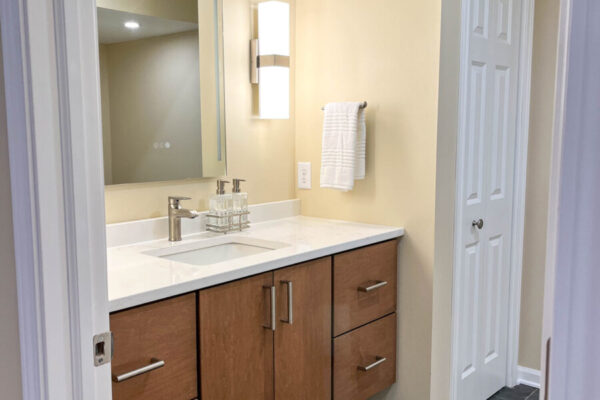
<point x="260" y="151"/>
<point x="10" y="358"/>
<point x="538" y="178"/>
<point x="153" y="86"/>
<point x="385" y="52"/>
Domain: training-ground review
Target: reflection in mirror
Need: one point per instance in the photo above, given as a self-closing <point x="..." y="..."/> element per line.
<point x="161" y="87"/>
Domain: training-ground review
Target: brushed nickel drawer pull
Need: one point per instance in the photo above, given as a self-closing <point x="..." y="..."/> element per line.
<point x="290" y="297"/>
<point x="156" y="363"/>
<point x="273" y="310"/>
<point x="377" y="285"/>
<point x="373" y="365"/>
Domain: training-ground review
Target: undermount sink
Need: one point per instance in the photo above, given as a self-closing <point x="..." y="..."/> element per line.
<point x="215" y="250"/>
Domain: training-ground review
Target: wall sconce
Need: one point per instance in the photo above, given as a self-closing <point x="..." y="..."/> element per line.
<point x="270" y="60"/>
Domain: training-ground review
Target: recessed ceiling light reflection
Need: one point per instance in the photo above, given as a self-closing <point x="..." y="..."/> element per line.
<point x="132" y="25"/>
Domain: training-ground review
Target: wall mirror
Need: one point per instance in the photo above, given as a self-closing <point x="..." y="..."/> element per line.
<point x="161" y="78"/>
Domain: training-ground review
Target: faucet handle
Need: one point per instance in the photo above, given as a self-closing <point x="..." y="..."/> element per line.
<point x="174" y="200"/>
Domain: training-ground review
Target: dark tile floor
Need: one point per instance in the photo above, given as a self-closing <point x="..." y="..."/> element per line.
<point x="519" y="392"/>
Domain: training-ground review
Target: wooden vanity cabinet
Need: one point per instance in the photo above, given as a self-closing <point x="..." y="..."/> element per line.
<point x="144" y="336"/>
<point x="243" y="357"/>
<point x="364" y="320"/>
<point x="236" y="350"/>
<point x="303" y="347"/>
<point x="318" y="330"/>
<point x="364" y="285"/>
<point x="365" y="360"/>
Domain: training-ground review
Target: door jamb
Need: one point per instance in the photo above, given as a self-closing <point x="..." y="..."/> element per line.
<point x="520" y="182"/>
<point x="54" y="138"/>
<point x="520" y="186"/>
<point x="564" y="33"/>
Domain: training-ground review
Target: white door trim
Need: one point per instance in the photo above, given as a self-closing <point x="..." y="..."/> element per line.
<point x="520" y="182"/>
<point x="555" y="182"/>
<point x="520" y="186"/>
<point x="54" y="138"/>
<point x="571" y="249"/>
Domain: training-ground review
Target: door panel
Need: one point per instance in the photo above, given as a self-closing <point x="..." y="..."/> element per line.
<point x="486" y="158"/>
<point x="236" y="350"/>
<point x="303" y="348"/>
<point x="475" y="133"/>
<point x="468" y="296"/>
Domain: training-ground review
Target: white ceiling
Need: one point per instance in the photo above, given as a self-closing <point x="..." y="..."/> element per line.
<point x="111" y="27"/>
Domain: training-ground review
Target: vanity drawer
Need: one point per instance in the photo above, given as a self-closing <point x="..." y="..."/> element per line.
<point x="364" y="360"/>
<point x="144" y="336"/>
<point x="364" y="285"/>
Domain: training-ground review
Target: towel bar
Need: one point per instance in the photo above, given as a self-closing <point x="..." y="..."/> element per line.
<point x="362" y="106"/>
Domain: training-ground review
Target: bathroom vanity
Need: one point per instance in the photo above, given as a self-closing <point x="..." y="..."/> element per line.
<point x="309" y="312"/>
<point x="291" y="308"/>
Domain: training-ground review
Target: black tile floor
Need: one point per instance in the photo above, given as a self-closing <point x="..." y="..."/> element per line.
<point x="519" y="392"/>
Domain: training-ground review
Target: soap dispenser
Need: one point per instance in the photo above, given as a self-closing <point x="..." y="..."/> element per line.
<point x="220" y="206"/>
<point x="240" y="202"/>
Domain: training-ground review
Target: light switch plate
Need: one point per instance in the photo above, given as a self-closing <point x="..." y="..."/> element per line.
<point x="304" y="181"/>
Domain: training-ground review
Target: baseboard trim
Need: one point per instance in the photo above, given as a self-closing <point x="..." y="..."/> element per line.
<point x="528" y="376"/>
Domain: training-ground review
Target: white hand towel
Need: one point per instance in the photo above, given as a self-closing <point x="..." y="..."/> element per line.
<point x="344" y="144"/>
<point x="361" y="146"/>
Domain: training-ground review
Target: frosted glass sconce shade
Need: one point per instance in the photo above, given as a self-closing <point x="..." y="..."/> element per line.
<point x="271" y="60"/>
<point x="274" y="28"/>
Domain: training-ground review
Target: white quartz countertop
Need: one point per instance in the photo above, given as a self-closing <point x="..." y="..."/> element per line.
<point x="136" y="278"/>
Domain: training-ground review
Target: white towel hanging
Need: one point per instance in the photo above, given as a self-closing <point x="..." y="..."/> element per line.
<point x="344" y="145"/>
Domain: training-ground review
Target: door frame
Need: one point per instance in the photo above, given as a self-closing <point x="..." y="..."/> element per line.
<point x="57" y="187"/>
<point x="552" y="240"/>
<point x="520" y="184"/>
<point x="565" y="312"/>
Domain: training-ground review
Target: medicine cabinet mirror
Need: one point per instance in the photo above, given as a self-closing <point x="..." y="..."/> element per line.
<point x="161" y="79"/>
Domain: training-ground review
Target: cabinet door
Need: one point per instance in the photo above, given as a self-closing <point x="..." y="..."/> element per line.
<point x="160" y="336"/>
<point x="236" y="350"/>
<point x="303" y="334"/>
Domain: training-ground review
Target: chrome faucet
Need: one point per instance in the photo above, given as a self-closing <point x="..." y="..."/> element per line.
<point x="175" y="215"/>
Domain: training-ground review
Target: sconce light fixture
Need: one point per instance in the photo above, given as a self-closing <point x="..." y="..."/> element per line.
<point x="270" y="60"/>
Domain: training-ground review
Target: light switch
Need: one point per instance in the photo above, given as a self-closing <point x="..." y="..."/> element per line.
<point x="304" y="175"/>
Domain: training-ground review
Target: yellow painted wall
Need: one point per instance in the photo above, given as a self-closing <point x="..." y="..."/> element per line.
<point x="260" y="151"/>
<point x="538" y="179"/>
<point x="10" y="357"/>
<point x="387" y="53"/>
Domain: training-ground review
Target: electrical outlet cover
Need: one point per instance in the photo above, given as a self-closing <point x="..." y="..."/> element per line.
<point x="304" y="180"/>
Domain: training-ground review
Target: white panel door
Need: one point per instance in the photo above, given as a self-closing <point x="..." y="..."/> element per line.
<point x="485" y="169"/>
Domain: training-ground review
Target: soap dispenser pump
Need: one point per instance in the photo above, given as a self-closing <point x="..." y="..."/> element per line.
<point x="220" y="206"/>
<point x="240" y="202"/>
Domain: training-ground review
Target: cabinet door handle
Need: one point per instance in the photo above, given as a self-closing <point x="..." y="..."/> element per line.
<point x="290" y="298"/>
<point x="377" y="285"/>
<point x="273" y="310"/>
<point x="378" y="361"/>
<point x="155" y="364"/>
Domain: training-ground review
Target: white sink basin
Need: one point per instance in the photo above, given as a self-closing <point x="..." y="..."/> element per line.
<point x="215" y="250"/>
